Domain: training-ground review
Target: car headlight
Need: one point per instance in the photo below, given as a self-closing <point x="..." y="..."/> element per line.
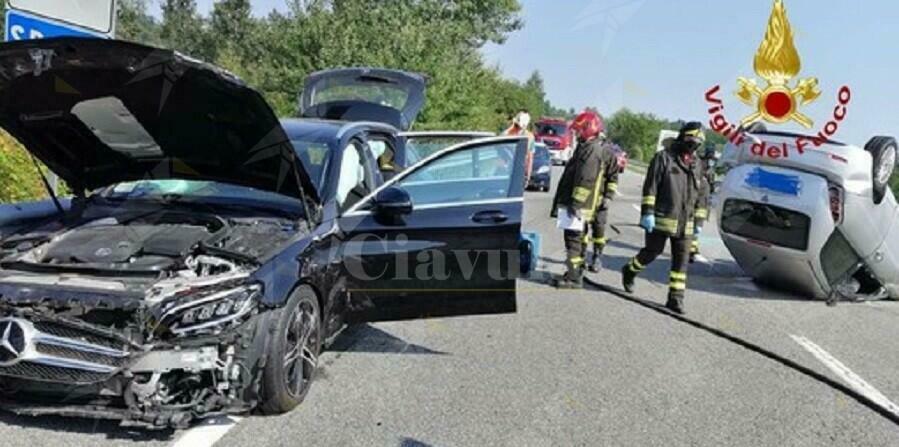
<point x="210" y="310"/>
<point x="543" y="170"/>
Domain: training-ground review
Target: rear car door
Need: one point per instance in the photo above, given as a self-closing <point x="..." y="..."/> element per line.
<point x="454" y="252"/>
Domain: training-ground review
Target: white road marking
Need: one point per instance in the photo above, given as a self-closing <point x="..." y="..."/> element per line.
<point x="636" y="207"/>
<point x="207" y="433"/>
<point x="852" y="379"/>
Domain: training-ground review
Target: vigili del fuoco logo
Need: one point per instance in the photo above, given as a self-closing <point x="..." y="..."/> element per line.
<point x="781" y="98"/>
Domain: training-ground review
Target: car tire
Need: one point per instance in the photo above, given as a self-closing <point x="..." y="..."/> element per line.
<point x="293" y="353"/>
<point x="884" y="151"/>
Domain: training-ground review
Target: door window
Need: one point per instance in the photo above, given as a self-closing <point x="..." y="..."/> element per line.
<point x="482" y="173"/>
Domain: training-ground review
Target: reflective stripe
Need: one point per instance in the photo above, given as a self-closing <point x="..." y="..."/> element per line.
<point x="600" y="240"/>
<point x="678" y="276"/>
<point x="612" y="186"/>
<point x="695" y="243"/>
<point x="581" y="194"/>
<point x="677" y="285"/>
<point x="689" y="228"/>
<point x="702" y="213"/>
<point x="596" y="187"/>
<point x="649" y="200"/>
<point x="666" y="224"/>
<point x="576" y="261"/>
<point x="635" y="265"/>
<point x="586" y="238"/>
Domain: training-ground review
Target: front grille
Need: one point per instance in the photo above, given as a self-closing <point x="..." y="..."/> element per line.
<point x="65" y="331"/>
<point x="74" y="354"/>
<point x="58" y="352"/>
<point x="47" y="373"/>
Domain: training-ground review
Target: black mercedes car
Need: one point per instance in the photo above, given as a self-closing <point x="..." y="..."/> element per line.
<point x="210" y="250"/>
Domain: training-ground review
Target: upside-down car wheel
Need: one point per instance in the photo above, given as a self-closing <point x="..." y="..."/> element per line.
<point x="884" y="152"/>
<point x="293" y="353"/>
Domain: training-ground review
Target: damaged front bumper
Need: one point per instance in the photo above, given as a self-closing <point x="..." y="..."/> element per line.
<point x="56" y="366"/>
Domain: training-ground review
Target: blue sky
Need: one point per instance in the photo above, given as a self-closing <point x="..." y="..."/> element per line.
<point x="660" y="56"/>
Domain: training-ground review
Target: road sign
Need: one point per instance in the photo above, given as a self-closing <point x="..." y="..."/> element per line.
<point x="22" y="26"/>
<point x="94" y="15"/>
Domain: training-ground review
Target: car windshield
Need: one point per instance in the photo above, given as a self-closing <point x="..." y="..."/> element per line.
<point x="197" y="191"/>
<point x="315" y="156"/>
<point x="352" y="89"/>
<point x="541" y="153"/>
<point x="551" y="129"/>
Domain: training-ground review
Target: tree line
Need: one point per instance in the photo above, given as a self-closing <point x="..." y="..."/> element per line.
<point x="441" y="39"/>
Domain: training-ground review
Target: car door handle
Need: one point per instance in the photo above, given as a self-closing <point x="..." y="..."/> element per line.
<point x="490" y="217"/>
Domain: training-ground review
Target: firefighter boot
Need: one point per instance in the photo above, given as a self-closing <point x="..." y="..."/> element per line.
<point x="627" y="278"/>
<point x="596" y="262"/>
<point x="676" y="303"/>
<point x="677" y="287"/>
<point x="572" y="279"/>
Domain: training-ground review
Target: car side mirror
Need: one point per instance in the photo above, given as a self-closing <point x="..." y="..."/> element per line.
<point x="393" y="201"/>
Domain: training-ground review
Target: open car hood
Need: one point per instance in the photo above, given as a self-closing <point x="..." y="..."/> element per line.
<point x="99" y="112"/>
<point x="364" y="94"/>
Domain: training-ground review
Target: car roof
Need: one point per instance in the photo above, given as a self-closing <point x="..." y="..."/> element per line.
<point x="324" y="130"/>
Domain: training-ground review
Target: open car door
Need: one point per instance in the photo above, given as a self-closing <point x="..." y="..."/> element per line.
<point x="441" y="238"/>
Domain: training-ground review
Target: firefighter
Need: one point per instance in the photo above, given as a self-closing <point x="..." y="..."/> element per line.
<point x="708" y="162"/>
<point x="611" y="168"/>
<point x="673" y="209"/>
<point x="579" y="193"/>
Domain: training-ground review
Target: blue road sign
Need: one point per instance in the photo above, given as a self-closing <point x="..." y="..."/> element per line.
<point x="23" y="26"/>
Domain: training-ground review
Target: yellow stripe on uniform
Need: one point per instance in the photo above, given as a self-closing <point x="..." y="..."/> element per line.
<point x="581" y="193"/>
<point x="611" y="186"/>
<point x="649" y="200"/>
<point x="600" y="240"/>
<point x="635" y="266"/>
<point x="677" y="285"/>
<point x="586" y="238"/>
<point x="682" y="276"/>
<point x="577" y="260"/>
<point x="702" y="213"/>
<point x="666" y="224"/>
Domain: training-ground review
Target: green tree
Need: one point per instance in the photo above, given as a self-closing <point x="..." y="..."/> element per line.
<point x="183" y="29"/>
<point x="135" y="24"/>
<point x="636" y="133"/>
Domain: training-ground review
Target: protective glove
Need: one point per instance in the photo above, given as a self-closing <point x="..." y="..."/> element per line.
<point x="648" y="222"/>
<point x="697" y="231"/>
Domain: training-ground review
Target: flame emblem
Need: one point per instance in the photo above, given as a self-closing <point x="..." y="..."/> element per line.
<point x="777" y="62"/>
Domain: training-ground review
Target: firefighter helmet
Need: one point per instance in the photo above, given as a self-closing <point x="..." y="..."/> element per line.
<point x="587" y="126"/>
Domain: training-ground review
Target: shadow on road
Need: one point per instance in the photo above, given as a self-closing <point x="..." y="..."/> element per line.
<point x="367" y="338"/>
<point x="111" y="430"/>
<point x="409" y="442"/>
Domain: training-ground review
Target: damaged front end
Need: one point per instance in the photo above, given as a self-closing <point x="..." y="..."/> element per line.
<point x="188" y="348"/>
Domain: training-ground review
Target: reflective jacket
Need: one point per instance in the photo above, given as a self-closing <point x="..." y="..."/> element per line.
<point x="584" y="181"/>
<point x="676" y="193"/>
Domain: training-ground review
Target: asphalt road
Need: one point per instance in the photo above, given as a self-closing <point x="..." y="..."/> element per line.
<point x="580" y="368"/>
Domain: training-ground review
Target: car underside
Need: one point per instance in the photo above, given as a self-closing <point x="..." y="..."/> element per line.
<point x="142" y="313"/>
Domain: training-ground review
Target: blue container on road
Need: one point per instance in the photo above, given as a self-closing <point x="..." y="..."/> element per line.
<point x="529" y="248"/>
